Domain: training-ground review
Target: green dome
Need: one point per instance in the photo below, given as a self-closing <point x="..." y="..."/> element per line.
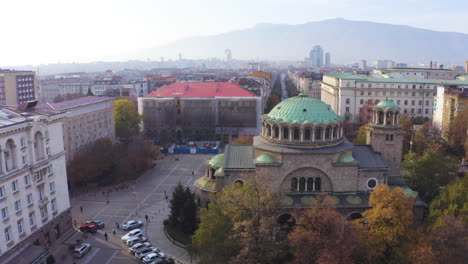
<point x="386" y="104"/>
<point x="302" y="110"/>
<point x="345" y="157"/>
<point x="219" y="172"/>
<point x="266" y="158"/>
<point x="217" y="161"/>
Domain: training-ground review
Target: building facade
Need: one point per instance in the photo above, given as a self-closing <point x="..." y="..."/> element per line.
<point x="89" y="118"/>
<point x="34" y="201"/>
<point x="302" y="152"/>
<point x="416" y="73"/>
<point x="316" y="56"/>
<point x="450" y="102"/>
<point x="346" y="93"/>
<point x="196" y="111"/>
<point x="17" y="87"/>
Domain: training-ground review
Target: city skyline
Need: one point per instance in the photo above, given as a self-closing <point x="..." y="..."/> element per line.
<point x="55" y="34"/>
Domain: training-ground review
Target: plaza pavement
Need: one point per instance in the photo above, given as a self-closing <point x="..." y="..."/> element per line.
<point x="146" y="196"/>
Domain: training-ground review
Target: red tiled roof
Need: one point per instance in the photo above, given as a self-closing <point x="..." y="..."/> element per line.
<point x="201" y="89"/>
<point x="73" y="103"/>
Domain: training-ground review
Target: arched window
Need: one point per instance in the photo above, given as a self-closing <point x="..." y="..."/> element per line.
<point x="268" y="130"/>
<point x="276" y="132"/>
<point x="318" y="133"/>
<point x="302" y="183"/>
<point x="296" y="135"/>
<point x="310" y="184"/>
<point x="285" y="133"/>
<point x="386" y="137"/>
<point x="318" y="183"/>
<point x="39" y="146"/>
<point x="334" y="132"/>
<point x="294" y="185"/>
<point x="381" y="118"/>
<point x="347" y="100"/>
<point x="307" y="134"/>
<point x="389" y="118"/>
<point x="391" y="137"/>
<point x="10" y="155"/>
<point x="327" y="133"/>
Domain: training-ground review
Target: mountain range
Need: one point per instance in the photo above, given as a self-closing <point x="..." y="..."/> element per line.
<point x="348" y="42"/>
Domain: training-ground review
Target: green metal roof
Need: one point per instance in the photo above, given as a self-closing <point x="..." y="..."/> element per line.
<point x="206" y="184"/>
<point x="345" y="158"/>
<point x="239" y="157"/>
<point x="302" y="110"/>
<point x="266" y="158"/>
<point x="386" y="104"/>
<point x="366" y="78"/>
<point x="219" y="172"/>
<point x="217" y="161"/>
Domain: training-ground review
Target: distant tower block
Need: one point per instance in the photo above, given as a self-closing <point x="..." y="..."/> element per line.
<point x="227" y="55"/>
<point x="327" y="59"/>
<point x="466" y="67"/>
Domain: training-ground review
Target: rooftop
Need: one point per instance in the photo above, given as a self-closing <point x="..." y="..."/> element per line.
<point x="368" y="158"/>
<point x="74" y="103"/>
<point x="365" y="78"/>
<point x="201" y="89"/>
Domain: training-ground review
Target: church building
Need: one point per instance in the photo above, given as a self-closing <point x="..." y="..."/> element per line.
<point x="302" y="152"/>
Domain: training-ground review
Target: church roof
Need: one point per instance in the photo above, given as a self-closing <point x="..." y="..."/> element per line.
<point x="302" y="109"/>
<point x="239" y="157"/>
<point x="345" y="158"/>
<point x="266" y="158"/>
<point x="217" y="161"/>
<point x="386" y="104"/>
<point x="368" y="158"/>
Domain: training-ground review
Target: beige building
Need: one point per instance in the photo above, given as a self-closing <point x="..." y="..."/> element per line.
<point x="17" y="87"/>
<point x="89" y="118"/>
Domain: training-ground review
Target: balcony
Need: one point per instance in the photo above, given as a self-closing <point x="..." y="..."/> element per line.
<point x="43" y="201"/>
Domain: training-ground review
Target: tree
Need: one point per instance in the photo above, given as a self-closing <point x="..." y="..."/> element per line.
<point x="243" y="140"/>
<point x="89" y="93"/>
<point x="366" y="111"/>
<point x="127" y="119"/>
<point x="214" y="241"/>
<point x="449" y="240"/>
<point x="428" y="173"/>
<point x="456" y="134"/>
<point x="385" y="227"/>
<point x="407" y="128"/>
<point x="322" y="237"/>
<point x="452" y="200"/>
<point x="361" y="137"/>
<point x="183" y="209"/>
<point x="427" y="139"/>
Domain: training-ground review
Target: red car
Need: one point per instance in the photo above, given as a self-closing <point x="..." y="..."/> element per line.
<point x="90" y="228"/>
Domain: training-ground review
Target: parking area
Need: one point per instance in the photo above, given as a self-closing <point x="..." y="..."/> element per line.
<point x="147" y="196"/>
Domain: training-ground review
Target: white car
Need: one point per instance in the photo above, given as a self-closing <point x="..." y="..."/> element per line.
<point x="139" y="246"/>
<point x="146" y="252"/>
<point x="81" y="250"/>
<point x="150" y="258"/>
<point x="135" y="240"/>
<point x="132" y="224"/>
<point x="134" y="232"/>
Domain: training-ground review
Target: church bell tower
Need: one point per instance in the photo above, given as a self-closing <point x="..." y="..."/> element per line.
<point x="385" y="135"/>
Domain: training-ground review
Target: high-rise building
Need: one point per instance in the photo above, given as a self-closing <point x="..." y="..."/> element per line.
<point x="227" y="55"/>
<point x="327" y="59"/>
<point x="17" y="87"/>
<point x="316" y="56"/>
<point x="363" y="65"/>
<point x="34" y="200"/>
<point x="466" y="67"/>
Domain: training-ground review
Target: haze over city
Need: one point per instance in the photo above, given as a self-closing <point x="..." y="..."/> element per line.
<point x="51" y="31"/>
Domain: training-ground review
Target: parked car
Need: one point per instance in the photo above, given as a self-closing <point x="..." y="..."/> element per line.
<point x="146" y="252"/>
<point x="158" y="261"/>
<point x="134" y="232"/>
<point x="168" y="261"/>
<point x="98" y="223"/>
<point x="132" y="224"/>
<point x="150" y="258"/>
<point x="139" y="246"/>
<point x="89" y="228"/>
<point x="136" y="239"/>
<point x="81" y="250"/>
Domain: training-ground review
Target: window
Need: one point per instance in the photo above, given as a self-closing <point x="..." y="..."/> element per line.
<point x="371" y="183"/>
<point x="427" y="103"/>
<point x="20" y="226"/>
<point x="419" y="111"/>
<point x="52" y="187"/>
<point x="43" y="211"/>
<point x="318" y="183"/>
<point x="398" y="102"/>
<point x="347" y="100"/>
<point x="426" y="111"/>
<point x="420" y="102"/>
<point x="294" y="184"/>
<point x="302" y="183"/>
<point x="31" y="219"/>
<point x="4" y="213"/>
<point x="14" y="186"/>
<point x="406" y="102"/>
<point x="41" y="192"/>
<point x="2" y="192"/>
<point x="369" y="93"/>
<point x="24" y="160"/>
<point x="413" y="94"/>
<point x="384" y="93"/>
<point x="29" y="199"/>
<point x="296" y="133"/>
<point x="7" y="235"/>
<point x="27" y="180"/>
<point x="361" y="101"/>
<point x="17" y="206"/>
<point x="412" y="102"/>
<point x="412" y="110"/>
<point x="307" y="134"/>
<point x="318" y="133"/>
<point x="310" y="184"/>
<point x="53" y="205"/>
<point x="285" y="133"/>
<point x="362" y="92"/>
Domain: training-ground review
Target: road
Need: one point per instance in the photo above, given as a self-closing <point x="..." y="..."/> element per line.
<point x="145" y="197"/>
<point x="284" y="91"/>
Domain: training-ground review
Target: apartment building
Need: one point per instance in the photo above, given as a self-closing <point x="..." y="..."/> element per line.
<point x="450" y="102"/>
<point x="34" y="201"/>
<point x="52" y="88"/>
<point x="17" y="87"/>
<point x="346" y="93"/>
<point x="416" y="73"/>
<point x="89" y="118"/>
<point x="309" y="83"/>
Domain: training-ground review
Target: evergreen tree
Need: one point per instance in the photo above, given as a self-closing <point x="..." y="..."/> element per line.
<point x="90" y="93"/>
<point x="183" y="209"/>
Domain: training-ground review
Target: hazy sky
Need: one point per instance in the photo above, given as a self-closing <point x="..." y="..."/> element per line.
<point x="50" y="31"/>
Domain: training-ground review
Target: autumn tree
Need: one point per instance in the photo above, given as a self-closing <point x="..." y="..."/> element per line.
<point x="321" y="236"/>
<point x="427" y="139"/>
<point x="456" y="133"/>
<point x="361" y="137"/>
<point x="366" y="111"/>
<point x="385" y="227"/>
<point x="428" y="173"/>
<point x="127" y="119"/>
<point x="407" y="128"/>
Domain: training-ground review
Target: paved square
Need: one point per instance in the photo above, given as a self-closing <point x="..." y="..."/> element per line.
<point x="145" y="197"/>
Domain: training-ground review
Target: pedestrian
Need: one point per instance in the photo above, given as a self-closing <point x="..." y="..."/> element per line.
<point x="107" y="200"/>
<point x="146" y="217"/>
<point x="193" y="174"/>
<point x="117" y="225"/>
<point x="74" y="222"/>
<point x="81" y="209"/>
<point x="113" y="231"/>
<point x="105" y="235"/>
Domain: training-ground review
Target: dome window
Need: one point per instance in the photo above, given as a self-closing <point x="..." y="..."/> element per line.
<point x="304" y="110"/>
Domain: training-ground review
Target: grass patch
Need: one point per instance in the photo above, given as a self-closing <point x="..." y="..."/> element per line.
<point x="178" y="235"/>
